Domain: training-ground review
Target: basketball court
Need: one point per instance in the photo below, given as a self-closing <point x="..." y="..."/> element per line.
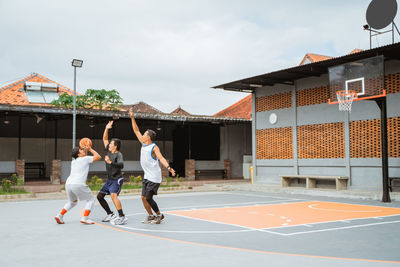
<point x="230" y="228"/>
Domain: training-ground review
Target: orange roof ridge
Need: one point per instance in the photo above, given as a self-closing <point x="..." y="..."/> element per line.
<point x="240" y="109"/>
<point x="312" y="57"/>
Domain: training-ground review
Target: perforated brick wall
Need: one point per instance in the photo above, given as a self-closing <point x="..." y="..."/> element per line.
<point x="312" y="96"/>
<point x="393" y="127"/>
<point x="321" y="141"/>
<point x="271" y="102"/>
<point x="276" y="143"/>
<point x="392" y="83"/>
<point x="365" y="138"/>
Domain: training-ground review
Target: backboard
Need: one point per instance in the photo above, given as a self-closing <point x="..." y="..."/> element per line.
<point x="365" y="77"/>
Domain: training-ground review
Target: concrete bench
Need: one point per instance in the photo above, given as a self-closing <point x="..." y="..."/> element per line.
<point x="391" y="182"/>
<point x="311" y="180"/>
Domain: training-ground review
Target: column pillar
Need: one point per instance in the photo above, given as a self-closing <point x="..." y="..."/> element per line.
<point x="55" y="176"/>
<point x="190" y="168"/>
<point x="20" y="168"/>
<point x="227" y="167"/>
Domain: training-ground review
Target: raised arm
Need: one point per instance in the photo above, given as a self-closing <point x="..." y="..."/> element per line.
<point x="163" y="161"/>
<point x="105" y="135"/>
<point x="135" y="127"/>
<point x="96" y="155"/>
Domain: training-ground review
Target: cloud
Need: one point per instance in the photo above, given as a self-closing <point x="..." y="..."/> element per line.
<point x="170" y="53"/>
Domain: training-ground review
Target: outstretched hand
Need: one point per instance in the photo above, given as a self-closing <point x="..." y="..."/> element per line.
<point x="109" y="125"/>
<point x="172" y="171"/>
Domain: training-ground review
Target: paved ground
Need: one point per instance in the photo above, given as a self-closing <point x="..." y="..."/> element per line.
<point x="235" y="228"/>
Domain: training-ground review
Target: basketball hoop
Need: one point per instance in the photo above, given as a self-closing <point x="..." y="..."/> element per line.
<point x="345" y="99"/>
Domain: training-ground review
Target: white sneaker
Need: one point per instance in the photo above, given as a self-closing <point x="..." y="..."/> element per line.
<point x="109" y="217"/>
<point x="119" y="221"/>
<point x="59" y="219"/>
<point x="86" y="220"/>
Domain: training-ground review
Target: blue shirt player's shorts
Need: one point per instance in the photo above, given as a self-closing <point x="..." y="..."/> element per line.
<point x="112" y="186"/>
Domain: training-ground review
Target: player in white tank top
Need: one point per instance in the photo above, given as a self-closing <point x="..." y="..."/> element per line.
<point x="150" y="165"/>
<point x="150" y="157"/>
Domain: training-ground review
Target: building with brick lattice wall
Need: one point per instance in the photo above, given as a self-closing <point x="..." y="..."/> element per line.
<point x="296" y="131"/>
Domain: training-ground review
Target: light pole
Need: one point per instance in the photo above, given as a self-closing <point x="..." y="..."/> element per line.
<point x="76" y="63"/>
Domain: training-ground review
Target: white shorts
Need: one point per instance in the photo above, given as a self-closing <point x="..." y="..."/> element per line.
<point x="77" y="191"/>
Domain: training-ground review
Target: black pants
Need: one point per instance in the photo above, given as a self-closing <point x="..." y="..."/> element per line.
<point x="150" y="189"/>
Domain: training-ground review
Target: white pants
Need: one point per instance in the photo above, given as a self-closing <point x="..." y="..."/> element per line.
<point x="81" y="192"/>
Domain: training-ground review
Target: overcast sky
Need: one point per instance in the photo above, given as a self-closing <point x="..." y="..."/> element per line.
<point x="169" y="53"/>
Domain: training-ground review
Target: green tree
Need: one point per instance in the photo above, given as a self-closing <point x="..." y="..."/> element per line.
<point x="101" y="99"/>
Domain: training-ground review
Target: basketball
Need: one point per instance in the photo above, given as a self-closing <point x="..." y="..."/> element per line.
<point x="85" y="143"/>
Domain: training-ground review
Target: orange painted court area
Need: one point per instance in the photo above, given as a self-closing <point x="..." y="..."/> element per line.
<point x="288" y="214"/>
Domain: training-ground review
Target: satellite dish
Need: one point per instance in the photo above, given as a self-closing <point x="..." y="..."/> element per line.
<point x="380" y="13"/>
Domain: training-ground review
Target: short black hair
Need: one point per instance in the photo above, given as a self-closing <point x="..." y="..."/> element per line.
<point x="152" y="134"/>
<point x="75" y="152"/>
<point x="117" y="143"/>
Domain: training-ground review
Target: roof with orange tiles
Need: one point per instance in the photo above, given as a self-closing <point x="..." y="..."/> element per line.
<point x="356" y="50"/>
<point x="12" y="95"/>
<point x="311" y="58"/>
<point x="241" y="109"/>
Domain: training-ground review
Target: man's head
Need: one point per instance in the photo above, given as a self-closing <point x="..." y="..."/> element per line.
<point x="78" y="152"/>
<point x="115" y="145"/>
<point x="149" y="135"/>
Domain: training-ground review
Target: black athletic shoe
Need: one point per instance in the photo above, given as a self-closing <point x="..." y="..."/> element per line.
<point x="149" y="219"/>
<point x="158" y="219"/>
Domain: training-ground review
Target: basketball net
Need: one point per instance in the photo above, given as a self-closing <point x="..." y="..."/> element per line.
<point x="345" y="99"/>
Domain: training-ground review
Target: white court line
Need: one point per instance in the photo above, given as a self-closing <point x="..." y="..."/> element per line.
<point x="236" y="225"/>
<point x="365" y="205"/>
<point x="340" y="228"/>
<point x="187" y="232"/>
<point x="312" y="224"/>
<point x="219" y="206"/>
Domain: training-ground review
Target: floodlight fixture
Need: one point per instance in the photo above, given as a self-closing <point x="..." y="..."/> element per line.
<point x="77" y="63"/>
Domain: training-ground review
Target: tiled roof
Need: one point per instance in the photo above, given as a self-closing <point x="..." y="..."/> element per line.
<point x="142" y="107"/>
<point x="11" y="94"/>
<point x="356" y="50"/>
<point x="180" y="111"/>
<point x="313" y="58"/>
<point x="241" y="109"/>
